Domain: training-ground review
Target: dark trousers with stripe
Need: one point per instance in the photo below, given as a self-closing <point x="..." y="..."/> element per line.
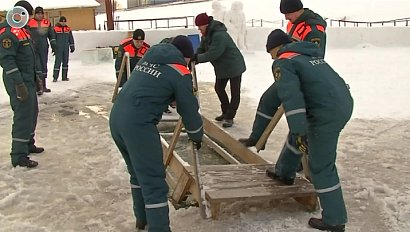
<point x="229" y="107"/>
<point x="42" y="59"/>
<point x="24" y="119"/>
<point x="141" y="149"/>
<point x="61" y="60"/>
<point x="322" y="155"/>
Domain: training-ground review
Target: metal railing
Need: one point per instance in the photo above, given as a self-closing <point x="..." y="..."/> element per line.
<point x="145" y="3"/>
<point x="188" y="21"/>
<point x="265" y="23"/>
<point x="333" y="22"/>
<point x="393" y="22"/>
<point x="154" y="23"/>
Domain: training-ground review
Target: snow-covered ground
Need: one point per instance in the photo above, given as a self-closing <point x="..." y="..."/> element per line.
<point x="81" y="183"/>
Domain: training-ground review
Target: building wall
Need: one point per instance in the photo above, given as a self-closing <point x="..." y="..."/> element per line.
<point x="136" y="3"/>
<point x="77" y="19"/>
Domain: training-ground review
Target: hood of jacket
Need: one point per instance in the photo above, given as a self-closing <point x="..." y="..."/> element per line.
<point x="311" y="17"/>
<point x="164" y="53"/>
<point x="214" y="26"/>
<point x="60" y="25"/>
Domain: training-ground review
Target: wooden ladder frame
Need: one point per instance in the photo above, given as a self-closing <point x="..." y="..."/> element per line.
<point x="180" y="175"/>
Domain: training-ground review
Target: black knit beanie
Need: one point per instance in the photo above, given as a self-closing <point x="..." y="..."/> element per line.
<point x="277" y="37"/>
<point x="290" y="6"/>
<point x="26" y="5"/>
<point x="184" y="45"/>
<point x="63" y="19"/>
<point x="138" y="34"/>
<point x="39" y="9"/>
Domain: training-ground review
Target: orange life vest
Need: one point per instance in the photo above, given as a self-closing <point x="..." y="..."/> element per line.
<point x="129" y="47"/>
<point x="301" y="30"/>
<point x="45" y="23"/>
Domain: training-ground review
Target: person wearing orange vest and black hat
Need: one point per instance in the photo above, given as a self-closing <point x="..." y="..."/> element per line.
<point x="160" y="78"/>
<point x="65" y="42"/>
<point x="315" y="117"/>
<point x="17" y="58"/>
<point x="136" y="48"/>
<point x="304" y="24"/>
<point x="41" y="30"/>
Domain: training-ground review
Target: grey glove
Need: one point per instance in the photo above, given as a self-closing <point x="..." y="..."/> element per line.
<point x="22" y="92"/>
<point x="72" y="48"/>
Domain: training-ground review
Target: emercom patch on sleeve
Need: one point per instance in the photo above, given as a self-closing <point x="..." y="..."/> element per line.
<point x="315" y="40"/>
<point x="6" y="43"/>
<point x="276" y="74"/>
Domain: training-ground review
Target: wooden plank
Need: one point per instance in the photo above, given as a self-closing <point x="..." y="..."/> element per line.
<point x="174" y="140"/>
<point x="256" y="193"/>
<point x="218" y="149"/>
<point x="233" y="145"/>
<point x="305" y="165"/>
<point x="268" y="130"/>
<point x="310" y="202"/>
<point x="117" y="84"/>
<point x="170" y="179"/>
<point x="182" y="187"/>
<point x="178" y="165"/>
<point x="215" y="208"/>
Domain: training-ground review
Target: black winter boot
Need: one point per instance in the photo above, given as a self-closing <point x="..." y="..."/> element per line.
<point x="64" y="74"/>
<point x="270" y="172"/>
<point x="26" y="162"/>
<point x="220" y="118"/>
<point x="35" y="149"/>
<point x="45" y="90"/>
<point x="250" y="142"/>
<point x="227" y="123"/>
<point x="317" y="223"/>
<point x="39" y="86"/>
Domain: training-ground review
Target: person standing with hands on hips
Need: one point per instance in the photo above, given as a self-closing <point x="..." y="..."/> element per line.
<point x="218" y="48"/>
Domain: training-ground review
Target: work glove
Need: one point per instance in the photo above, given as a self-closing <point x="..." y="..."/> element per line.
<point x="53" y="49"/>
<point x="302" y="143"/>
<point x="72" y="48"/>
<point x="22" y="92"/>
<point x="193" y="59"/>
<point x="197" y="144"/>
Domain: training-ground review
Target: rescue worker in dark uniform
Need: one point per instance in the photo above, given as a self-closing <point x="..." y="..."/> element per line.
<point x="17" y="58"/>
<point x="136" y="47"/>
<point x="65" y="42"/>
<point x="304" y="24"/>
<point x="159" y="78"/>
<point x="218" y="48"/>
<point x="41" y="30"/>
<point x="317" y="105"/>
